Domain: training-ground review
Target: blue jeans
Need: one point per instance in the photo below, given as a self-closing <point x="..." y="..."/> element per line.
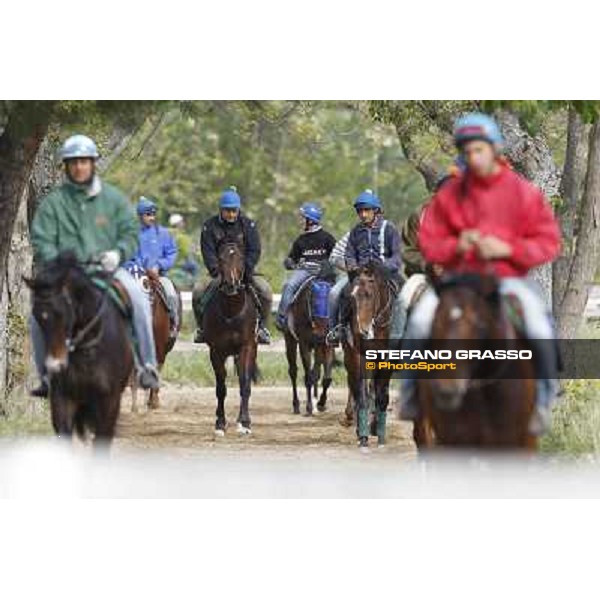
<point x="142" y="325"/>
<point x="172" y="300"/>
<point x="291" y="286"/>
<point x="334" y="299"/>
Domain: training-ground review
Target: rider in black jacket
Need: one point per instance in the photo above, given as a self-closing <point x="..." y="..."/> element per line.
<point x="231" y="225"/>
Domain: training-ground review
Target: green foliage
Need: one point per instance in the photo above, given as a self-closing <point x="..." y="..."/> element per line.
<point x="195" y="368"/>
<point x="576" y="420"/>
<point x="278" y="154"/>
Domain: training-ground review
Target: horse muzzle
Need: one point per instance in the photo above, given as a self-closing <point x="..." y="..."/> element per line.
<point x="56" y="364"/>
<point x="449" y="397"/>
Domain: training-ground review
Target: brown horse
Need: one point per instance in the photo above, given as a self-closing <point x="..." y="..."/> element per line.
<point x="230" y="327"/>
<point x="370" y="310"/>
<point x="88" y="352"/>
<point x="307" y="332"/>
<point x="161" y="328"/>
<point x="481" y="407"/>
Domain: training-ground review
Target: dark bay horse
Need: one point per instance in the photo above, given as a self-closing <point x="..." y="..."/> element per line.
<point x="88" y="352"/>
<point x="230" y="327"/>
<point x="480" y="407"/>
<point x="307" y="332"/>
<point x="370" y="309"/>
<point x="161" y="327"/>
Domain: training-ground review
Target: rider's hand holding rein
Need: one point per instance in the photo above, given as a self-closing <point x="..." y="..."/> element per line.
<point x="490" y="247"/>
<point x="110" y="260"/>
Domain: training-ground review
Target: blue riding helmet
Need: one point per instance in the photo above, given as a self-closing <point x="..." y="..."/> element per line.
<point x="230" y="199"/>
<point x="79" y="146"/>
<point x="477" y="126"/>
<point x="367" y="199"/>
<point x="145" y="206"/>
<point x="311" y="211"/>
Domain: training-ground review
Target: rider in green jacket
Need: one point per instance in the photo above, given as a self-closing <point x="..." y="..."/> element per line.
<point x="95" y="221"/>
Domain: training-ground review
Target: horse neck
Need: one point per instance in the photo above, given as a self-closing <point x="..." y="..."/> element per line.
<point x="232" y="305"/>
<point x="87" y="302"/>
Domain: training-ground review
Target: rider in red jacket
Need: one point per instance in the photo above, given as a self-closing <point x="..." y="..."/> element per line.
<point x="486" y="220"/>
<point x="502" y="210"/>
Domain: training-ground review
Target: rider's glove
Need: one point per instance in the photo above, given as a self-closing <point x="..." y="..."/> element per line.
<point x="110" y="260"/>
<point x="289" y="263"/>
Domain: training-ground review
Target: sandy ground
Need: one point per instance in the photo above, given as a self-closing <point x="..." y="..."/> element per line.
<point x="185" y="423"/>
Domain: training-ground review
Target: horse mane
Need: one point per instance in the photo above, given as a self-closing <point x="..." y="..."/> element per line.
<point x="486" y="286"/>
<point x="57" y="271"/>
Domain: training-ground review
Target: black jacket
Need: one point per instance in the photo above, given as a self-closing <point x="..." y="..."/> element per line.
<point x="312" y="246"/>
<point x="216" y="231"/>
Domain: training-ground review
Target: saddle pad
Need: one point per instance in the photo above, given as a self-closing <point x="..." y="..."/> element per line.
<point x="514" y="312"/>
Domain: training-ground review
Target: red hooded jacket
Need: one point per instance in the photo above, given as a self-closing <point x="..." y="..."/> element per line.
<point x="504" y="205"/>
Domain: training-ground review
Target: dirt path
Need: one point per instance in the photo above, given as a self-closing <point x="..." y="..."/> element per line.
<point x="185" y="424"/>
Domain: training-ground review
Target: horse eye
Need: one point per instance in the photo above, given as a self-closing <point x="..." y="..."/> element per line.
<point x="44" y="315"/>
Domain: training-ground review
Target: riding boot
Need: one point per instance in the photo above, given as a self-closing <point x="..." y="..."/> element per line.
<point x="148" y="378"/>
<point x="546" y="366"/>
<point x="263" y="335"/>
<point x="199" y="336"/>
<point x="381" y="423"/>
<point x="43" y="390"/>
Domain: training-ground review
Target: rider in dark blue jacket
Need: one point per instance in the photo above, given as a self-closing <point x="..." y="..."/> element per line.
<point x="373" y="239"/>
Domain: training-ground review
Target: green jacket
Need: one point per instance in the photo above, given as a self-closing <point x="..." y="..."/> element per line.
<point x="70" y="219"/>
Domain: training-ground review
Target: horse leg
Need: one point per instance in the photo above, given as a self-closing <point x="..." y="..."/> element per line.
<point x="291" y="346"/>
<point x="134" y="391"/>
<point x="218" y="365"/>
<point x="306" y="356"/>
<point x="62" y="411"/>
<point x="382" y="399"/>
<point x="327" y="359"/>
<point x="247" y="363"/>
<point x="106" y="413"/>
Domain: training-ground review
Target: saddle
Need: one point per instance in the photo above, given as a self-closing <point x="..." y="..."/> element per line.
<point x="117" y="294"/>
<point x="308" y="281"/>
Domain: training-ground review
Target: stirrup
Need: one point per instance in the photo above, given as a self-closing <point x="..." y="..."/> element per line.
<point x="334" y="336"/>
<point x="263" y="335"/>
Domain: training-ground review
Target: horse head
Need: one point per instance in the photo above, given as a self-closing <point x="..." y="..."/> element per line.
<point x="59" y="293"/>
<point x="367" y="294"/>
<point x="231" y="267"/>
<point x="469" y="311"/>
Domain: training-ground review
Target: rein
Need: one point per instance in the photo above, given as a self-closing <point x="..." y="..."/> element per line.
<point x="76" y="342"/>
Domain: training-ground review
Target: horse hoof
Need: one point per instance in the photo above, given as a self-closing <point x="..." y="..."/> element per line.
<point x="308" y="413"/>
<point x="380" y="445"/>
<point x="242" y="430"/>
<point x="321" y="408"/>
<point x="345" y="421"/>
<point x="219" y="433"/>
<point x="364" y="449"/>
<point x="296" y="410"/>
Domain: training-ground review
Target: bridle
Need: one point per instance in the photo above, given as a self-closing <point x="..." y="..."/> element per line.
<point x="379" y="320"/>
<point x="75" y="340"/>
<point x="236" y="285"/>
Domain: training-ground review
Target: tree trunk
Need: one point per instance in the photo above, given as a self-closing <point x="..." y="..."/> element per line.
<point x="585" y="257"/>
<point x="574" y="173"/>
<point x="532" y="157"/>
<point x="24" y="132"/>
